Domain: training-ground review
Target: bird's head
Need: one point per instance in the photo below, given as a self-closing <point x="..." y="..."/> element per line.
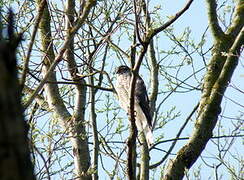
<point x="122" y="70"/>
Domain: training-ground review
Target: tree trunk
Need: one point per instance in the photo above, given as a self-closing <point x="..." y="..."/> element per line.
<point x="73" y="124"/>
<point x="225" y="57"/>
<point x="15" y="162"/>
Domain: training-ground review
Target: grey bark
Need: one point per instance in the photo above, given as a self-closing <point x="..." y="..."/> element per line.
<point x="73" y="124"/>
<point x="216" y="80"/>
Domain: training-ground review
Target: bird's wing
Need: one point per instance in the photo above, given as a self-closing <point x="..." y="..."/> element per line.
<point x="141" y="98"/>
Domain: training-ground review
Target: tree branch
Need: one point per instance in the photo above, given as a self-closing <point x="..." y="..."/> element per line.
<point x="135" y="69"/>
<point x="42" y="5"/>
<point x="15" y="161"/>
<point x="238" y="20"/>
<point x="89" y="4"/>
<point x="171" y="21"/>
<point x="213" y="19"/>
<point x="176" y="139"/>
<point x="77" y="130"/>
<point x="207" y="117"/>
<point x="131" y="143"/>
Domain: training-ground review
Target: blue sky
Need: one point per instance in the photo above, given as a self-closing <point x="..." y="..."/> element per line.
<point x="196" y="19"/>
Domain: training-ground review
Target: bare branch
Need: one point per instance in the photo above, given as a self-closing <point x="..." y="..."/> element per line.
<point x="89" y="4"/>
<point x="237" y="22"/>
<point x="213" y="19"/>
<point x="176" y="138"/>
<point x="170" y="22"/>
<point x="43" y="4"/>
<point x="207" y="117"/>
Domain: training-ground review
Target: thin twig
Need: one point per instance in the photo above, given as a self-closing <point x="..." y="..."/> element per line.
<point x="59" y="57"/>
<point x="176" y="138"/>
<point x="33" y="36"/>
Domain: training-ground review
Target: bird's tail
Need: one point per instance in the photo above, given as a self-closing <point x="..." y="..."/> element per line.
<point x="149" y="136"/>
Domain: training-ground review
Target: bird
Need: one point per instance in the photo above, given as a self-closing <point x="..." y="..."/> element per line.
<point x="143" y="118"/>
